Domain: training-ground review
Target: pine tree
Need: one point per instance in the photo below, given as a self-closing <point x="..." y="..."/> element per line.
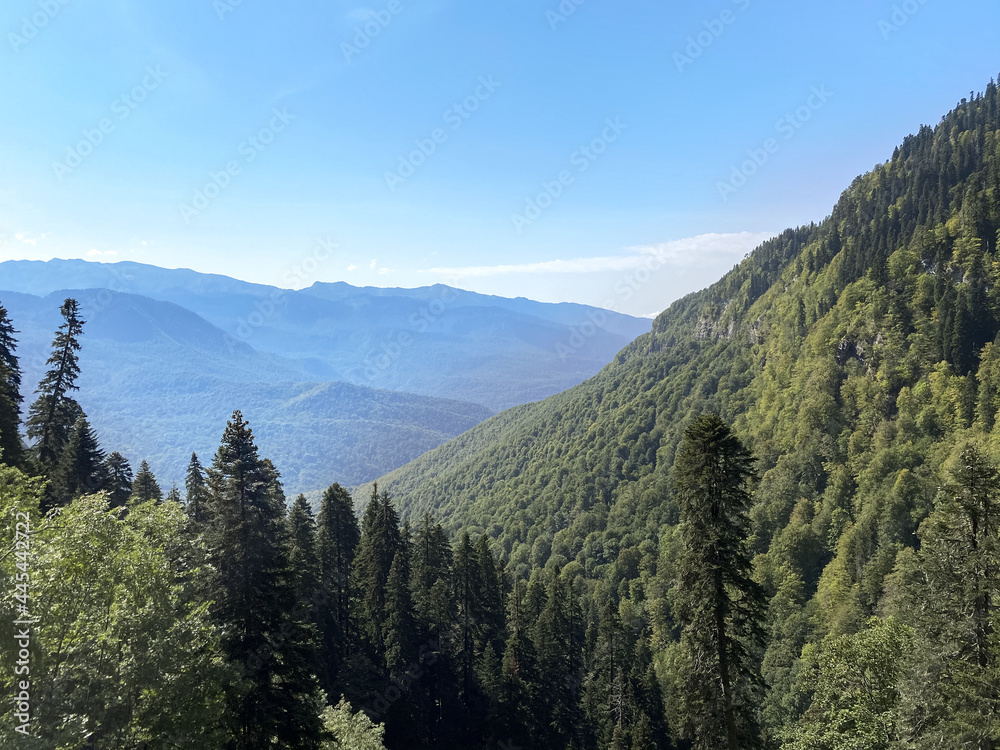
<point x="717" y="603"/>
<point x="431" y="565"/>
<point x="399" y="631"/>
<point x="559" y="641"/>
<point x="119" y="480"/>
<point x="519" y="675"/>
<point x="337" y="542"/>
<point x="11" y="448"/>
<point x="253" y="595"/>
<point x="953" y="695"/>
<point x="145" y="488"/>
<point x="174" y="495"/>
<point x="491" y="621"/>
<point x="467" y="588"/>
<point x="81" y="469"/>
<point x="302" y="555"/>
<point x="54" y="413"/>
<point x="380" y="541"/>
<point x="196" y="500"/>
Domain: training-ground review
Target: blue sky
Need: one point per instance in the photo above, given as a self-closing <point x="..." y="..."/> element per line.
<point x="582" y="151"/>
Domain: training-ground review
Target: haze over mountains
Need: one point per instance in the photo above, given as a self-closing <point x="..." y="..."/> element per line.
<point x="313" y="370"/>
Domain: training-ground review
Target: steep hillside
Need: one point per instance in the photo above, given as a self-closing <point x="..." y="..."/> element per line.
<point x="436" y="341"/>
<point x="853" y="356"/>
<point x="150" y="363"/>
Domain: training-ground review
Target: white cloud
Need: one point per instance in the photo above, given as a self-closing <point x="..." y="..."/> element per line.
<point x="384" y="271"/>
<point x="373" y="264"/>
<point x="675" y="253"/>
<point x="94" y="252"/>
<point x="351" y="267"/>
<point x="23" y="238"/>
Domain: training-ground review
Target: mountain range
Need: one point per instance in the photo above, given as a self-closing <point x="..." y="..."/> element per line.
<point x="340" y="383"/>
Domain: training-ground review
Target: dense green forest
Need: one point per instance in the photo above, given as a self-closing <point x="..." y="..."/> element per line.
<point x="772" y="522"/>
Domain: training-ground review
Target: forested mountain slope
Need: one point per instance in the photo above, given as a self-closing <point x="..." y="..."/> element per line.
<point x="854" y="357"/>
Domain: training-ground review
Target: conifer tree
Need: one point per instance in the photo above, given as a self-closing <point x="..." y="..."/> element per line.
<point x="399" y="631"/>
<point x="174" y="495"/>
<point x="253" y="591"/>
<point x="11" y="448"/>
<point x="467" y="590"/>
<point x="491" y="622"/>
<point x="119" y="480"/>
<point x="81" y="468"/>
<point x="953" y="695"/>
<point x="717" y="603"/>
<point x="559" y="642"/>
<point x="431" y="576"/>
<point x="54" y="413"/>
<point x="196" y="500"/>
<point x="380" y="541"/>
<point x="337" y="540"/>
<point x="302" y="556"/>
<point x="517" y="702"/>
<point x="144" y="487"/>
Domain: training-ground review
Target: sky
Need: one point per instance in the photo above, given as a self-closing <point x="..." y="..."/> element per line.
<point x="620" y="154"/>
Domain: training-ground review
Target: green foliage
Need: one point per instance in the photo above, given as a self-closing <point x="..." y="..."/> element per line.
<point x="115" y="614"/>
<point x="351" y="731"/>
<point x="855" y="703"/>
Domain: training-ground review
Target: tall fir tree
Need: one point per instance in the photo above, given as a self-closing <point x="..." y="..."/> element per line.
<point x="519" y="673"/>
<point x="196" y="491"/>
<point x="952" y="696"/>
<point x="559" y="644"/>
<point x="380" y="541"/>
<point x="81" y="468"/>
<point x="431" y="566"/>
<point x="54" y="412"/>
<point x="11" y="448"/>
<point x="253" y="594"/>
<point x="145" y="487"/>
<point x="718" y="605"/>
<point x="399" y="631"/>
<point x="119" y="480"/>
<point x="302" y="557"/>
<point x="337" y="540"/>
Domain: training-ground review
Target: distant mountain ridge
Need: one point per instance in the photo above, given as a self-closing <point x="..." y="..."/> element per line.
<point x="436" y="341"/>
<point x="341" y="383"/>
